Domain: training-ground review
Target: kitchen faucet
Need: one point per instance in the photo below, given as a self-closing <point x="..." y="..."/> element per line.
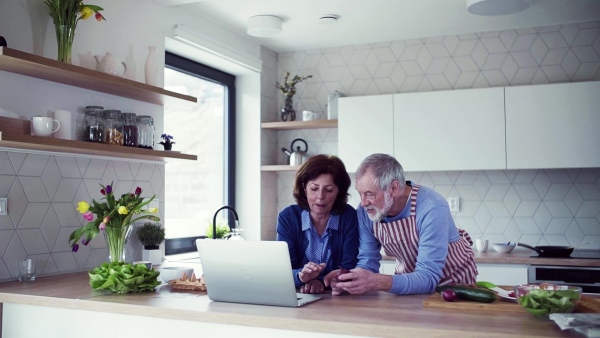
<point x="215" y="219"/>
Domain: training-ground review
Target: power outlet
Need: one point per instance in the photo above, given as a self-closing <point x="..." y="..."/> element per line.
<point x="454" y="203"/>
<point x="4" y="206"/>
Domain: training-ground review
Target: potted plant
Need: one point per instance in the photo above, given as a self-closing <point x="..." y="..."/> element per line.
<point x="167" y="143"/>
<point x="151" y="234"/>
<point x="222" y="230"/>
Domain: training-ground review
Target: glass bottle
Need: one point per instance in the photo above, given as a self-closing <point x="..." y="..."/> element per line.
<point x="93" y="124"/>
<point x="145" y="132"/>
<point x="113" y="127"/>
<point x="130" y="130"/>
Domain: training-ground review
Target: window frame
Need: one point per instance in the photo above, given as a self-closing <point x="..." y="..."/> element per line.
<point x="173" y="61"/>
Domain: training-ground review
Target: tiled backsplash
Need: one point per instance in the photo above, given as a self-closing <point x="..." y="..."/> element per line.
<point x="533" y="206"/>
<point x="43" y="191"/>
<point x="537" y="207"/>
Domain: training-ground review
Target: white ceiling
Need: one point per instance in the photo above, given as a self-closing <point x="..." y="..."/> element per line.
<point x="369" y="21"/>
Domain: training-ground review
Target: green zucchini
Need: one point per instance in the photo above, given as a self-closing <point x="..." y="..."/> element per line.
<point x="468" y="293"/>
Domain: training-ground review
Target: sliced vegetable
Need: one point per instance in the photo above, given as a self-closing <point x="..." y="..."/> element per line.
<point x="541" y="302"/>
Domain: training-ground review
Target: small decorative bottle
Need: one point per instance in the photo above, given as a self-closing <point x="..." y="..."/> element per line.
<point x="150" y="70"/>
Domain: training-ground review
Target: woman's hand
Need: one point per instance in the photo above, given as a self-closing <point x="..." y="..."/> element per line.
<point x="310" y="271"/>
<point x="313" y="286"/>
<point x="331" y="280"/>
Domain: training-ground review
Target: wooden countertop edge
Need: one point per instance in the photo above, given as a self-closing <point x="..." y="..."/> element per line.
<point x="294" y="324"/>
<point x="39" y="301"/>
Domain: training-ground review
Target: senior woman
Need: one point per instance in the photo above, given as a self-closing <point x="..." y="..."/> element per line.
<point x="321" y="229"/>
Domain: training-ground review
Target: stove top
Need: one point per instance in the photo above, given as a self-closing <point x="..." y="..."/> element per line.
<point x="581" y="254"/>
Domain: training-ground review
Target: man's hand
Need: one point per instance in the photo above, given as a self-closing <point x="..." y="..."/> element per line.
<point x="331" y="280"/>
<point x="310" y="271"/>
<point x="360" y="281"/>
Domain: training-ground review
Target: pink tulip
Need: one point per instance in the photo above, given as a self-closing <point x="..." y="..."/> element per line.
<point x="102" y="226"/>
<point x="88" y="216"/>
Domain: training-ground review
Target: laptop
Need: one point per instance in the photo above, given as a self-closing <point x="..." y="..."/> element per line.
<point x="250" y="272"/>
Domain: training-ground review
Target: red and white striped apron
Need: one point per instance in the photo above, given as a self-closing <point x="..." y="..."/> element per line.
<point x="400" y="239"/>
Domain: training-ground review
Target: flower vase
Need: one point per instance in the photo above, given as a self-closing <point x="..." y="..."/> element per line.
<point x="150" y="70"/>
<point x="64" y="37"/>
<point x="116" y="240"/>
<point x="288" y="112"/>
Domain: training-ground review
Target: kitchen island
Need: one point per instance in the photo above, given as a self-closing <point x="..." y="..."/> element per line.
<point x="66" y="306"/>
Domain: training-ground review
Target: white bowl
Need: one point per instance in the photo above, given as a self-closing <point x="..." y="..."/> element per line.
<point x="168" y="273"/>
<point x="504" y="247"/>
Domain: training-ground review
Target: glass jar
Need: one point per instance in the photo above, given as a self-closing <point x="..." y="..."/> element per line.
<point x="93" y="124"/>
<point x="113" y="127"/>
<point x="130" y="130"/>
<point x="145" y="132"/>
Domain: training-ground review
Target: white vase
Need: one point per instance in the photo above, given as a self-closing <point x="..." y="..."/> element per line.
<point x="153" y="256"/>
<point x="131" y="66"/>
<point x="150" y="68"/>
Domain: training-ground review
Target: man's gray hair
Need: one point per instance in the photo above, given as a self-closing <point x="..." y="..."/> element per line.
<point x="385" y="168"/>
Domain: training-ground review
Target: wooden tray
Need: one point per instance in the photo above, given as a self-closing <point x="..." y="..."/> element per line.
<point x="586" y="305"/>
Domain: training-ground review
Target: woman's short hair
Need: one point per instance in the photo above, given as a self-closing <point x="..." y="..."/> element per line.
<point x="316" y="166"/>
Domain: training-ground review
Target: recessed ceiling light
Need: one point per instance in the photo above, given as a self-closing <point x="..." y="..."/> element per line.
<point x="328" y="19"/>
<point x="496" y="7"/>
<point x="264" y="25"/>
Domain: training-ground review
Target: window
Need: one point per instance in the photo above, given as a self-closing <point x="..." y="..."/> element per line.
<point x="194" y="190"/>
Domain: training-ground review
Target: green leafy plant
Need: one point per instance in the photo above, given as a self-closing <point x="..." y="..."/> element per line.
<point x="121" y="277"/>
<point x="222" y="230"/>
<point x="151" y="235"/>
<point x="288" y="88"/>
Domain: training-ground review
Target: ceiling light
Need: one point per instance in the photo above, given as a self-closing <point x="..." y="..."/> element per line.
<point x="264" y="25"/>
<point x="496" y="7"/>
<point x="328" y="19"/>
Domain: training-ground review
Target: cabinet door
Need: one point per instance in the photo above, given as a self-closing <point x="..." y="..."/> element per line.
<point x="450" y="130"/>
<point x="365" y="126"/>
<point x="553" y="126"/>
<point x="502" y="274"/>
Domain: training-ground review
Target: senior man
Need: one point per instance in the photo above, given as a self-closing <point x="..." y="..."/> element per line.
<point x="413" y="224"/>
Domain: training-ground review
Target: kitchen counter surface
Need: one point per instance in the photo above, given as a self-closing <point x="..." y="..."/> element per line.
<point x="373" y="314"/>
<point x="524" y="256"/>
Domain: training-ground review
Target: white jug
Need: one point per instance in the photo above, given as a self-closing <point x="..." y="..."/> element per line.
<point x="110" y="64"/>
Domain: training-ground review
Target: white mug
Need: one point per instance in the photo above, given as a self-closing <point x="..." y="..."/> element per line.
<point x="44" y="126"/>
<point x="481" y="244"/>
<point x="308" y="115"/>
<point x="64" y="117"/>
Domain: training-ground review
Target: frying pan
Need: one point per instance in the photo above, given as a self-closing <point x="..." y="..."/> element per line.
<point x="550" y="250"/>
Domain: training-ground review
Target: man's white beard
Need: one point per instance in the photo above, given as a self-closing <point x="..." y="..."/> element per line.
<point x="380" y="213"/>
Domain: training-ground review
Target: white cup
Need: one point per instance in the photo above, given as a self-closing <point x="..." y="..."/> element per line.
<point x="308" y="115"/>
<point x="44" y="126"/>
<point x="64" y="117"/>
<point x="481" y="244"/>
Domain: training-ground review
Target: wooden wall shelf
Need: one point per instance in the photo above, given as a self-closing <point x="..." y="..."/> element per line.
<point x="48" y="144"/>
<point x="314" y="124"/>
<point x="36" y="66"/>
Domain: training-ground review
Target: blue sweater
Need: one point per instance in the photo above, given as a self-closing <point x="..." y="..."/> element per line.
<point x="343" y="242"/>
<point x="436" y="230"/>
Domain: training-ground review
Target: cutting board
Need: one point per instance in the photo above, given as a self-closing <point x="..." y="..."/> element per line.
<point x="435" y="300"/>
<point x="586" y="305"/>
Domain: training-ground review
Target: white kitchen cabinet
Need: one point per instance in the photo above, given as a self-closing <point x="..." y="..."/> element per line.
<point x="502" y="274"/>
<point x="450" y="130"/>
<point x="553" y="126"/>
<point x="365" y="126"/>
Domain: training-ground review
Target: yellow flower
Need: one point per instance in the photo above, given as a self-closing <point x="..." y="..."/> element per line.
<point x="86" y="12"/>
<point x="82" y="207"/>
<point x="122" y="210"/>
<point x="152" y="210"/>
